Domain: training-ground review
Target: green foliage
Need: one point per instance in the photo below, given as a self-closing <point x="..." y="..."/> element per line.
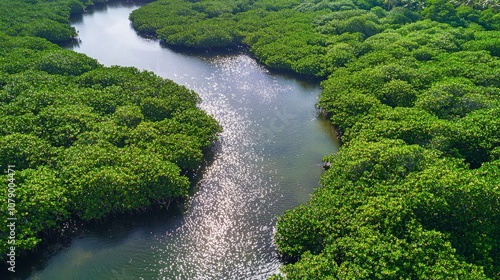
<point x="350" y="21"/>
<point x="25" y="151"/>
<point x="41" y="205"/>
<point x="129" y="116"/>
<point x="390" y="210"/>
<point x="44" y="18"/>
<point x="486" y="40"/>
<point x="440" y="93"/>
<point x="210" y="33"/>
<point x="413" y="88"/>
<point x="397" y="93"/>
<point x="217" y="24"/>
<point x="442" y="11"/>
<point x="86" y="140"/>
<point x="102" y="178"/>
<point x="463" y="205"/>
<point x="408" y="124"/>
<point x="400" y="16"/>
<point x="297" y="36"/>
<point x="61" y="125"/>
<point x="65" y="62"/>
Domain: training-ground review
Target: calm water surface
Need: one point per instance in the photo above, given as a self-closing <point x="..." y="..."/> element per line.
<point x="268" y="160"/>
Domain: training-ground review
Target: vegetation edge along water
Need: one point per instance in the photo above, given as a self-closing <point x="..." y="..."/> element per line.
<point x="414" y="88"/>
<point x="80" y="140"/>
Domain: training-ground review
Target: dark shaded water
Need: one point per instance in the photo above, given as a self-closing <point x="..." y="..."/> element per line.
<point x="268" y="160"/>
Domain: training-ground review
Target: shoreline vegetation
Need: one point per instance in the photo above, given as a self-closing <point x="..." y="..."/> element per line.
<point x="414" y="88"/>
<point x="85" y="141"/>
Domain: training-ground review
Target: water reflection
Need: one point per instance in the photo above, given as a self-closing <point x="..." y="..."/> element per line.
<point x="226" y="232"/>
<point x="268" y="160"/>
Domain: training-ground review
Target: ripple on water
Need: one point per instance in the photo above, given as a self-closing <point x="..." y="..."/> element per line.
<point x="227" y="230"/>
<point x="268" y="161"/>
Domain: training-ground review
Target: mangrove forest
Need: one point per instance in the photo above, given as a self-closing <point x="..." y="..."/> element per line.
<point x="412" y="88"/>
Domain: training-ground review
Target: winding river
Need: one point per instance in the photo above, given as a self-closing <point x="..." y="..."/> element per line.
<point x="268" y="160"/>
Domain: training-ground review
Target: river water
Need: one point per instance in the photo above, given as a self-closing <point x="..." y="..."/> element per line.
<point x="268" y="160"/>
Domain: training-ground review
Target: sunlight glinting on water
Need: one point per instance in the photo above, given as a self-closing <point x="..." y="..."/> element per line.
<point x="267" y="160"/>
<point x="226" y="219"/>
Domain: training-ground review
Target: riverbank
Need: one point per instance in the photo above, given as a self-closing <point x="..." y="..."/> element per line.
<point x="261" y="167"/>
<point x="82" y="139"/>
<point x="413" y="91"/>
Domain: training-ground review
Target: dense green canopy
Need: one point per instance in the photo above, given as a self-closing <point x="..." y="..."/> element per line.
<point x="414" y="88"/>
<point x="85" y="140"/>
<point x="310" y="37"/>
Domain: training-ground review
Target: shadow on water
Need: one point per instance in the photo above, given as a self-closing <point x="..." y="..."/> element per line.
<point x="209" y="156"/>
<point x="329" y="129"/>
<point x="103" y="7"/>
<point x="114" y="229"/>
<point x="97" y="8"/>
<point x="304" y="80"/>
<point x="198" y="52"/>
